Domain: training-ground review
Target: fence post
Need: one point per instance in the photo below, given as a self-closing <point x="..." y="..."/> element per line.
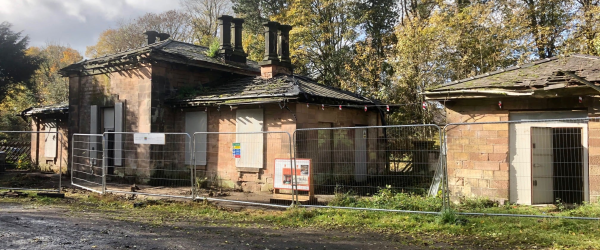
<point x="72" y="156"/>
<point x="104" y="161"/>
<point x="193" y="163"/>
<point x="444" y="139"/>
<point x="59" y="138"/>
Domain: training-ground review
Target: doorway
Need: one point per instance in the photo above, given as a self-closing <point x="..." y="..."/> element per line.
<point x="360" y="154"/>
<point x="557" y="165"/>
<point x="108" y="125"/>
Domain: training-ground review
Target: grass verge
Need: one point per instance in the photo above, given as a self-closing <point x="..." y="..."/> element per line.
<point x="450" y="228"/>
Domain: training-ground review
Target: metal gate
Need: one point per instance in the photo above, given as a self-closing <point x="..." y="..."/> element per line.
<point x="86" y="162"/>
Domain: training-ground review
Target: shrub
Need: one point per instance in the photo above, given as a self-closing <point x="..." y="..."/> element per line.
<point x="388" y="198"/>
<point x="213" y="48"/>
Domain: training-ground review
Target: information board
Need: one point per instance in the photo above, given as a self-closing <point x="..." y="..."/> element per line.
<point x="283" y="174"/>
<point x="149" y="138"/>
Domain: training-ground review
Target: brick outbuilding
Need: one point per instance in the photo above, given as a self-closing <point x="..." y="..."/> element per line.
<point x="526" y="134"/>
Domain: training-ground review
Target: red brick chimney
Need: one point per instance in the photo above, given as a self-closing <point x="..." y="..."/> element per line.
<point x="277" y="50"/>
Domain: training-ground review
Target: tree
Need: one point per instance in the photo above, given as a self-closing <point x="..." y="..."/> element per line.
<point x="547" y="22"/>
<point x="369" y="71"/>
<point x="18" y="98"/>
<point x="129" y="35"/>
<point x="586" y="35"/>
<point x="15" y="65"/>
<point x="50" y="87"/>
<point x="204" y="14"/>
<point x="322" y="38"/>
<point x="255" y="12"/>
<point x="16" y="69"/>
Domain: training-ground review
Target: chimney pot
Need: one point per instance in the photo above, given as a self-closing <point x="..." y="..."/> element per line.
<point x="151" y="36"/>
<point x="225" y="29"/>
<point x="237" y="35"/>
<point x="271" y="42"/>
<point x="163" y="36"/>
<point x="284" y="45"/>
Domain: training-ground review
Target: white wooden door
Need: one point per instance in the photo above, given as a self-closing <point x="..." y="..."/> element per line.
<point x="51" y="141"/>
<point x="251" y="144"/>
<point x="542" y="165"/>
<point x="360" y="154"/>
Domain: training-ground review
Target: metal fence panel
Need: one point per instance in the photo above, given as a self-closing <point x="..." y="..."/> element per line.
<point x="86" y="162"/>
<point x="24" y="167"/>
<point x="240" y="166"/>
<point x="377" y="167"/>
<point x="151" y="164"/>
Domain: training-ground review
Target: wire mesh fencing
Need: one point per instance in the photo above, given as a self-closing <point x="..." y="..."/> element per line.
<point x="382" y="167"/>
<point x="525" y="162"/>
<point x="243" y="167"/>
<point x="87" y="161"/>
<point x="32" y="160"/>
<point x="148" y="163"/>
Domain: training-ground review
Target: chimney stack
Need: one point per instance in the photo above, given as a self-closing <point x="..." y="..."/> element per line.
<point x="151" y="36"/>
<point x="228" y="52"/>
<point x="271" y="42"/>
<point x="277" y="50"/>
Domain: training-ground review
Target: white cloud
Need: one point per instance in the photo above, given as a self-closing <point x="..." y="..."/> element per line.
<point x="74" y="22"/>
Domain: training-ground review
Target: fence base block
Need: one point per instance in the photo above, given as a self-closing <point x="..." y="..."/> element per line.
<point x="303" y="199"/>
<point x="52" y="195"/>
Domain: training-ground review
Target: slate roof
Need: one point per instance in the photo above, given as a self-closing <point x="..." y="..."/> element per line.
<point x="61" y="108"/>
<point x="169" y="51"/>
<point x="541" y="74"/>
<point x="258" y="89"/>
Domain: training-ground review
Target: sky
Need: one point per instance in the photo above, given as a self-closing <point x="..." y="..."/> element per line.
<point x="77" y="23"/>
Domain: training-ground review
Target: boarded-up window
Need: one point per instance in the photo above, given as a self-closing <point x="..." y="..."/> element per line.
<point x="50" y="141"/>
<point x="94" y="145"/>
<point x="251" y="144"/>
<point x="196" y="122"/>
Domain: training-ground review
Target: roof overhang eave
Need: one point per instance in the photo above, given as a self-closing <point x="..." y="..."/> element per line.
<point x="470" y="93"/>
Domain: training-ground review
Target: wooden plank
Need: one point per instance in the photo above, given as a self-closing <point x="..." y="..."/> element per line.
<point x="301" y="198"/>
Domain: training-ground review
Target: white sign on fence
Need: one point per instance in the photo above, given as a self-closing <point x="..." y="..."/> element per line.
<point x="284" y="172"/>
<point x="149" y="138"/>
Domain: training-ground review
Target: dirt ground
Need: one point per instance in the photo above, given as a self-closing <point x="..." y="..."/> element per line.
<point x="23" y="227"/>
<point x="30" y="179"/>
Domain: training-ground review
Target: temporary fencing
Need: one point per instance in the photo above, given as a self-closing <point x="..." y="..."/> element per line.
<point x="32" y="160"/>
<point x="243" y="167"/>
<point x="374" y="167"/>
<point x="407" y="168"/>
<point x="148" y="163"/>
